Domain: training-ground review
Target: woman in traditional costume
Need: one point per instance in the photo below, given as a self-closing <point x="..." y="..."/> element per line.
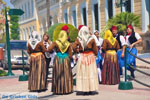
<point x="37" y="73"/>
<point x="99" y="58"/>
<point x="62" y="80"/>
<point x="132" y="39"/>
<point x="87" y="75"/>
<point x="110" y="72"/>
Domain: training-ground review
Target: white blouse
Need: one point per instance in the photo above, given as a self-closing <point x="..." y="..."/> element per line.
<point x="137" y="36"/>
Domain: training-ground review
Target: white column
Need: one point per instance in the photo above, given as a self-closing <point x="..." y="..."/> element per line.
<point x="132" y="6"/>
<point x="145" y="15"/>
<point x="113" y="5"/>
<point x="106" y="11"/>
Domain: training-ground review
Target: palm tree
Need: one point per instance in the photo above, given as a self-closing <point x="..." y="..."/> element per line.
<point x="122" y="20"/>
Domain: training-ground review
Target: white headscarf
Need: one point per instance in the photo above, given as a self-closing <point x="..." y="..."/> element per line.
<point x="34" y="39"/>
<point x="84" y="36"/>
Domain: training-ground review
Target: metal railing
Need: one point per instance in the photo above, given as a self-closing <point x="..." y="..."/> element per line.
<point x="23" y="77"/>
<point x="130" y="77"/>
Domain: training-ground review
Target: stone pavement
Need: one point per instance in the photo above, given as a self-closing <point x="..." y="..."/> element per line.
<point x="105" y="92"/>
<point x="141" y="64"/>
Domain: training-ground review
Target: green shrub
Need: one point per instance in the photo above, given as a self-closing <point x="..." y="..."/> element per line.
<point x="3" y="73"/>
<point x="58" y="29"/>
<point x="3" y="40"/>
<point x="73" y="35"/>
<point x="124" y="19"/>
<point x="51" y="30"/>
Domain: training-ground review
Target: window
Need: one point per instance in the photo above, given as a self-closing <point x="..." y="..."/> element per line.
<point x="84" y="16"/>
<point x="33" y="28"/>
<point x="24" y="36"/>
<point x="147" y="44"/>
<point x="25" y="11"/>
<point x="29" y="9"/>
<point x="21" y="37"/>
<point x="96" y="16"/>
<point x="30" y="30"/>
<point x="66" y="18"/>
<point x="32" y="5"/>
<point x="128" y="5"/>
<point x="74" y="18"/>
<point x="27" y="32"/>
<point x="110" y="8"/>
<point x="19" y="17"/>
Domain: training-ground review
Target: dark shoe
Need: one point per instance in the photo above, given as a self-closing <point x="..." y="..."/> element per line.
<point x="90" y="93"/>
<point x="85" y="93"/>
<point x="132" y="74"/>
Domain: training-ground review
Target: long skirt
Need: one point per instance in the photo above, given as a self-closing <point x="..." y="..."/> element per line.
<point x="87" y="74"/>
<point x="131" y="60"/>
<point x="110" y="72"/>
<point x="37" y="75"/>
<point x="62" y="80"/>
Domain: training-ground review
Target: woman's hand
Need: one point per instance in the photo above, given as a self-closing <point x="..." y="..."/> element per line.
<point x="132" y="45"/>
<point x="122" y="55"/>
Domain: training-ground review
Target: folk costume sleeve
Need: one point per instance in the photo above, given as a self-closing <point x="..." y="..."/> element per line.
<point x="94" y="47"/>
<point x="29" y="49"/>
<point x="104" y="46"/>
<point x="51" y="47"/>
<point x="76" y="45"/>
<point x="70" y="52"/>
<point x="117" y="47"/>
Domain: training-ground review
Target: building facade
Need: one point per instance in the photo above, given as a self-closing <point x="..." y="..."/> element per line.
<point x="93" y="13"/>
<point x="27" y="21"/>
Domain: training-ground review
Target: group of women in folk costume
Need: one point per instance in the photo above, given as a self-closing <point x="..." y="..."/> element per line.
<point x="88" y="73"/>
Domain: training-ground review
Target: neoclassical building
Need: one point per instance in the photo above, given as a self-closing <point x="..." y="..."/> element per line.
<point x="27" y="21"/>
<point x="93" y="13"/>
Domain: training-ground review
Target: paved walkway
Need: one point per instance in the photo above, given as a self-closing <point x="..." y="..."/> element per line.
<point x="105" y="92"/>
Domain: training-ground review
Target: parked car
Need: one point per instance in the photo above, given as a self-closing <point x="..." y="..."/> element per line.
<point x="16" y="47"/>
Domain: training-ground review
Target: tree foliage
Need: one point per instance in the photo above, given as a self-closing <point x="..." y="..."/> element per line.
<point x="2" y="4"/>
<point x="73" y="35"/>
<point x="58" y="29"/>
<point x="14" y="27"/>
<point x="3" y="39"/>
<point x="51" y="30"/>
<point x="122" y="20"/>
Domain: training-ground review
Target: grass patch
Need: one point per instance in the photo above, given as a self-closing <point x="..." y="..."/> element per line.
<point x="3" y="73"/>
